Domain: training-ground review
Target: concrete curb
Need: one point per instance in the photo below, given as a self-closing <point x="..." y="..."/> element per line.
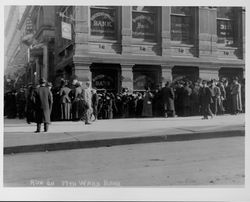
<point x="120" y="141"/>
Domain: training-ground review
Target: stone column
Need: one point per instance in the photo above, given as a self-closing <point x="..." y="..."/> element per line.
<point x="83" y="73"/>
<point x="127" y="76"/>
<point x="207" y="32"/>
<point x="126" y="29"/>
<point x="45" y="62"/>
<point x="165" y="32"/>
<point x="166" y="72"/>
<point x="82" y="25"/>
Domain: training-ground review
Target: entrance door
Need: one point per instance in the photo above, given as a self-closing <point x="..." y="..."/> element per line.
<point x="146" y="76"/>
<point x="105" y="77"/>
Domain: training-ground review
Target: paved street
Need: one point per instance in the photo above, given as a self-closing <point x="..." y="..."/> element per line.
<point x="20" y="137"/>
<point x="199" y="162"/>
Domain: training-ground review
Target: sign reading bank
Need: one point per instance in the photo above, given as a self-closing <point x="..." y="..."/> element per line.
<point x="103" y="22"/>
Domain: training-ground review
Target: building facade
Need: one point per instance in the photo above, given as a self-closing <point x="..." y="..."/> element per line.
<point x="15" y="58"/>
<point x="133" y="46"/>
<point x="33" y="41"/>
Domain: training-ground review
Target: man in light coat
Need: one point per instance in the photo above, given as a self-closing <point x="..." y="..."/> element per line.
<point x="88" y="99"/>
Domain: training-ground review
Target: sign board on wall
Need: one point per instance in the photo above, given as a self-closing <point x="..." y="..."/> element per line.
<point x="66" y="31"/>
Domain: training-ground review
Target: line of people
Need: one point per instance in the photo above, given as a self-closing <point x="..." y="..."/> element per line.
<point x="73" y="101"/>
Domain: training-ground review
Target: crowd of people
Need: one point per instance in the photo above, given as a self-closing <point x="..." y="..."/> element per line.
<point x="75" y="101"/>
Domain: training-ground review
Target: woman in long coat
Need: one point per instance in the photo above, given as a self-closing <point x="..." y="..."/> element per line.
<point x="65" y="101"/>
<point x="168" y="100"/>
<point x="236" y="97"/>
<point x="77" y="108"/>
<point x="147" y="104"/>
<point x="31" y="105"/>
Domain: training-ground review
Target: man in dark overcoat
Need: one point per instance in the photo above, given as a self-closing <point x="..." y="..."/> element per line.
<point x="205" y="100"/>
<point x="43" y="106"/>
<point x="168" y="100"/>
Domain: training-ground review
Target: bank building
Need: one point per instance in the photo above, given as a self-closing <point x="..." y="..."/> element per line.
<point x="129" y="46"/>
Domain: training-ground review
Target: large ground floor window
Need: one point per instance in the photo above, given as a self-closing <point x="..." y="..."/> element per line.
<point x="105" y="76"/>
<point x="185" y="73"/>
<point x="146" y="76"/>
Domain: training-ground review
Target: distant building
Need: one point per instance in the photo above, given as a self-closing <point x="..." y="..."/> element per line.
<point x="15" y="57"/>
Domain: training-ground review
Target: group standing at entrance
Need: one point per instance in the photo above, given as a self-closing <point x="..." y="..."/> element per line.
<point x="77" y="101"/>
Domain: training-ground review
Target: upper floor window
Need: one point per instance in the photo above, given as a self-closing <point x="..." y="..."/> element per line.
<point x="104" y="21"/>
<point x="144" y="22"/>
<point x="182" y="24"/>
<point x="226" y="25"/>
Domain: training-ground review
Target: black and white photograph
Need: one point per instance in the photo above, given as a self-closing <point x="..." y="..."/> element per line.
<point x="124" y="96"/>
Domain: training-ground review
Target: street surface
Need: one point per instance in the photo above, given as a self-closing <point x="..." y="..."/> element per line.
<point x="199" y="162"/>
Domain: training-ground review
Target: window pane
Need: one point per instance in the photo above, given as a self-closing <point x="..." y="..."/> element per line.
<point x="225" y="32"/>
<point x="181" y="10"/>
<point x="181" y="27"/>
<point x="103" y="22"/>
<point x="225" y="12"/>
<point x="143" y="25"/>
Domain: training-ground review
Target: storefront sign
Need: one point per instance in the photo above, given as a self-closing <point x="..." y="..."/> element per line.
<point x="66" y="31"/>
<point x="103" y="22"/>
<point x="143" y="25"/>
<point x="102" y="81"/>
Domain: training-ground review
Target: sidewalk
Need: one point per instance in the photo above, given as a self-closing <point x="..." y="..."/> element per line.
<point x="20" y="137"/>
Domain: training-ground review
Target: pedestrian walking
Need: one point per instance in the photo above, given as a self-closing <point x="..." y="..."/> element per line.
<point x="147" y="103"/>
<point x="194" y="98"/>
<point x="216" y="93"/>
<point x="21" y="103"/>
<point x="222" y="97"/>
<point x="157" y="102"/>
<point x="77" y="104"/>
<point x="205" y="95"/>
<point x="65" y="101"/>
<point x="95" y="101"/>
<point x="168" y="100"/>
<point x="179" y="95"/>
<point x="88" y="100"/>
<point x="236" y="96"/>
<point x="187" y="91"/>
<point x="228" y="98"/>
<point x="31" y="105"/>
<point x="43" y="106"/>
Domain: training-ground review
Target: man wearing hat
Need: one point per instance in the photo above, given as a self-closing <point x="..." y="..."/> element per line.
<point x="43" y="106"/>
<point x="236" y="96"/>
<point x="88" y="99"/>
